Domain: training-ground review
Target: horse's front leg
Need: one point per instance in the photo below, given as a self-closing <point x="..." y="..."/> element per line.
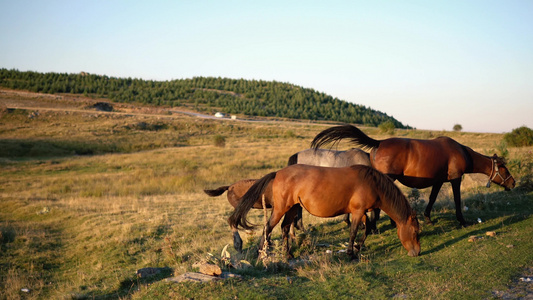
<point x="356" y="220"/>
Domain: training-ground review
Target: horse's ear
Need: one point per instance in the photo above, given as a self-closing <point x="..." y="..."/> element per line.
<point x="495" y="155"/>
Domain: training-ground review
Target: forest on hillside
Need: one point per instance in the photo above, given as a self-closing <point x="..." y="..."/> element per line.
<point x="207" y="94"/>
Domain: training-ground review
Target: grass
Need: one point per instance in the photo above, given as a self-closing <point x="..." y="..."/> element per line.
<point x="85" y="201"/>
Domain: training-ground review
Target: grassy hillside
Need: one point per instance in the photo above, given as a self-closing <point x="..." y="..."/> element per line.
<point x="239" y="97"/>
<point x="87" y="198"/>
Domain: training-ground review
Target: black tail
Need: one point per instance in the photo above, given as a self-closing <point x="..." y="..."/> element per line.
<point x="238" y="217"/>
<point x="337" y="133"/>
<point x="293" y="159"/>
<point x="217" y="192"/>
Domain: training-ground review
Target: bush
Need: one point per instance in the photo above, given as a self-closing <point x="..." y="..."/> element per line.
<point x="457" y="127"/>
<point x="387" y="127"/>
<point x="219" y="141"/>
<point x="519" y="137"/>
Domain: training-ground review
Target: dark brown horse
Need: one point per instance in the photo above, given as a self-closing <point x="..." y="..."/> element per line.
<point x="423" y="163"/>
<point x="329" y="192"/>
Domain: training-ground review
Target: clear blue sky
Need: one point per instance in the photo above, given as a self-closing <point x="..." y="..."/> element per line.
<point x="430" y="64"/>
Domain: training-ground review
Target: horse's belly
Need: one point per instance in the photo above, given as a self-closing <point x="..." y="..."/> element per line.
<point x="417" y="182"/>
<point x="324" y="213"/>
<point x="325" y="206"/>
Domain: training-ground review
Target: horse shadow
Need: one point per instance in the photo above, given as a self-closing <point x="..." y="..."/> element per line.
<point x="513" y="207"/>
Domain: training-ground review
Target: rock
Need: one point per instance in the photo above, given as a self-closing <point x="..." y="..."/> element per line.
<point x="473" y="238"/>
<point x="227" y="275"/>
<point x="149" y="272"/>
<point x="199" y="277"/>
<point x="193" y="277"/>
<point x="208" y="269"/>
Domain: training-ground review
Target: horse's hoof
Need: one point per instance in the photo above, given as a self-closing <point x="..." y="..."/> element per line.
<point x="428" y="220"/>
<point x="354" y="258"/>
<point x="238" y="247"/>
<point x="465" y="224"/>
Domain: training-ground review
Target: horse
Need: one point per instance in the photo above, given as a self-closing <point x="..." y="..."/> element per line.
<point x="321" y="157"/>
<point x="336" y="159"/>
<point x="235" y="192"/>
<point x="329" y="192"/>
<point x="423" y="163"/>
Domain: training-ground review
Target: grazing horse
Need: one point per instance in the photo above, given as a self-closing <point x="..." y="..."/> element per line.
<point x="336" y="159"/>
<point x="235" y="192"/>
<point x="320" y="157"/>
<point x="329" y="192"/>
<point x="423" y="163"/>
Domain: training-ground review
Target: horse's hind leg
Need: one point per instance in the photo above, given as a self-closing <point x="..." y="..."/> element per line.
<point x="297" y="223"/>
<point x="372" y="221"/>
<point x="432" y="197"/>
<point x="456" y="188"/>
<point x="270" y="224"/>
<point x="367" y="231"/>
<point x="286" y="226"/>
<point x="347" y="220"/>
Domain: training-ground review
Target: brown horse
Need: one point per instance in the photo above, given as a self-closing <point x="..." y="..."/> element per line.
<point x="235" y="192"/>
<point x="329" y="192"/>
<point x="321" y="157"/>
<point x="423" y="163"/>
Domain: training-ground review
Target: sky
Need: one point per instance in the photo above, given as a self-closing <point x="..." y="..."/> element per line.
<point x="429" y="64"/>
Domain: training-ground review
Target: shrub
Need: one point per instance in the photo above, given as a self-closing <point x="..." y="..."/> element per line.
<point x="219" y="141"/>
<point x="519" y="137"/>
<point x="387" y="127"/>
<point x="457" y="127"/>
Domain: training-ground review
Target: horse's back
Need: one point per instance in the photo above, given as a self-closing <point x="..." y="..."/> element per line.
<point x="323" y="191"/>
<point x="239" y="188"/>
<point x="439" y="159"/>
<point x="331" y="158"/>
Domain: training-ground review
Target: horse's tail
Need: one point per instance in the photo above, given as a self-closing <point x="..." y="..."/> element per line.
<point x="337" y="133"/>
<point x="238" y="217"/>
<point x="293" y="159"/>
<point x="218" y="191"/>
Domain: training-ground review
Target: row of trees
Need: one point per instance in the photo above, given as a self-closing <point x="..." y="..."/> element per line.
<point x="234" y="96"/>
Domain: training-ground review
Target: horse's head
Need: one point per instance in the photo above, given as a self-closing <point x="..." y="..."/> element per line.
<point x="500" y="174"/>
<point x="408" y="234"/>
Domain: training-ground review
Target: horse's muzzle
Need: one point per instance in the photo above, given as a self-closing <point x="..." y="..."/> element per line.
<point x="413" y="253"/>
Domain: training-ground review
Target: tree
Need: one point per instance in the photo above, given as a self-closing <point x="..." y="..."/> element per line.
<point x="457" y="127"/>
<point x="519" y="137"/>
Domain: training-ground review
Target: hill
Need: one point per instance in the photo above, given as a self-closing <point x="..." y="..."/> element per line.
<point x="205" y="94"/>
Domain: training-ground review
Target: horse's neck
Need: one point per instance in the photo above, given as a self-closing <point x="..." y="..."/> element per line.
<point x="480" y="163"/>
<point x="394" y="213"/>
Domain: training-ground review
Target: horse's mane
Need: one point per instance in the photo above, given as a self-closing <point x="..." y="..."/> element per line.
<point x="389" y="191"/>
